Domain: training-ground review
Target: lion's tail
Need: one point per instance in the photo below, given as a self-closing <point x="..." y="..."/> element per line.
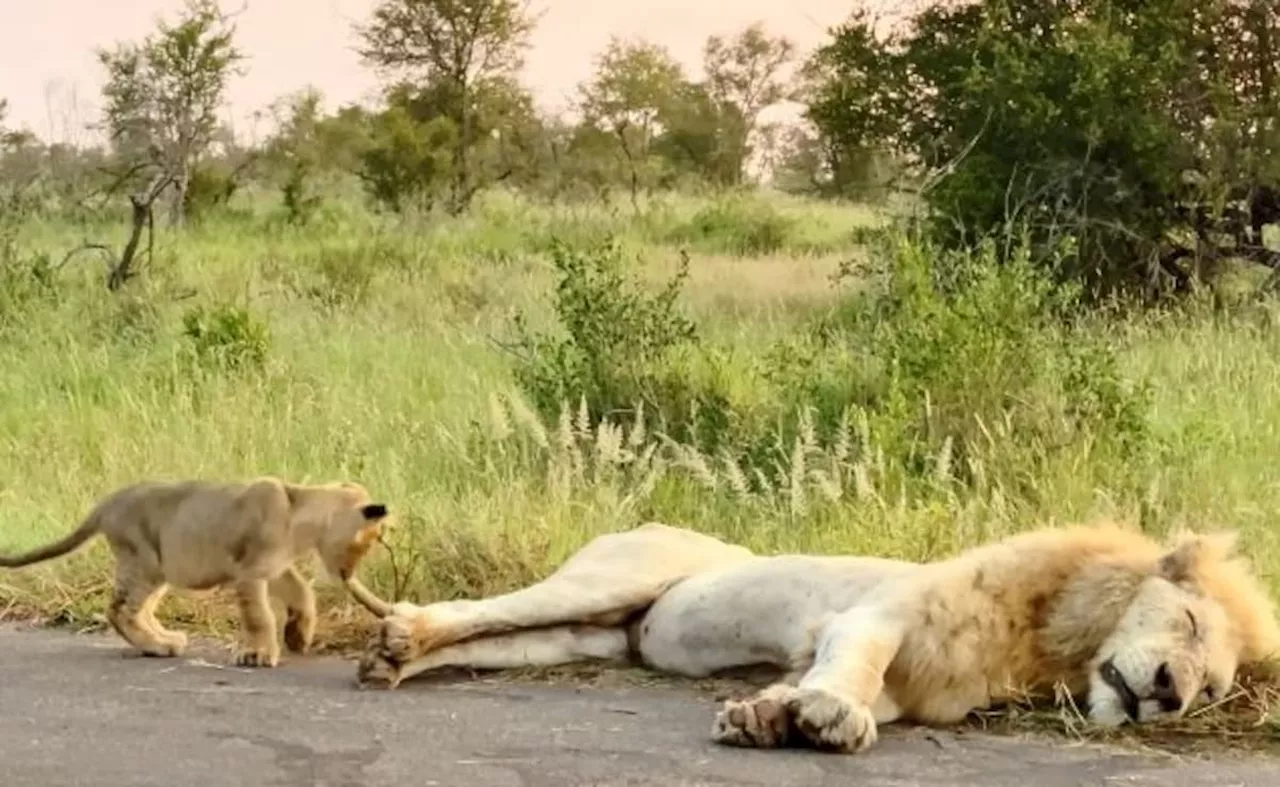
<point x="87" y="530"/>
<point x="366" y="598"/>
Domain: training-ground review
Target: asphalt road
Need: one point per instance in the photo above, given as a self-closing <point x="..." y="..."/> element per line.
<point x="81" y="710"/>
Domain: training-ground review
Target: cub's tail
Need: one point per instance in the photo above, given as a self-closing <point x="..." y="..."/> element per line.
<point x="87" y="530"/>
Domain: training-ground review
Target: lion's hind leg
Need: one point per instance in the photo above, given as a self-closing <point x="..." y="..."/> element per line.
<point x="300" y="609"/>
<point x="132" y="613"/>
<point x="603" y="584"/>
<point x="547" y="647"/>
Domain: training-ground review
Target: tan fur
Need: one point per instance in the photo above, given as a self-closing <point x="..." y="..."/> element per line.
<point x="1139" y="631"/>
<point x="199" y="535"/>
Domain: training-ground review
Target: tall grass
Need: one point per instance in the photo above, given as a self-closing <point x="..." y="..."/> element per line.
<point x="380" y="350"/>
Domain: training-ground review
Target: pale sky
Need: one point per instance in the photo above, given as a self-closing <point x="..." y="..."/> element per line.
<point x="51" y="78"/>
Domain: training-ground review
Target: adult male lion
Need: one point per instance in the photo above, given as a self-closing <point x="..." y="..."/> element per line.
<point x="198" y="535"/>
<point x="1142" y="631"/>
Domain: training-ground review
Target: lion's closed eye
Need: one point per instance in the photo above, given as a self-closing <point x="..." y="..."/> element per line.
<point x="1195" y="627"/>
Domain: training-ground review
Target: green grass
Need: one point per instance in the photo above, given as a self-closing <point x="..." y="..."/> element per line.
<point x="385" y="362"/>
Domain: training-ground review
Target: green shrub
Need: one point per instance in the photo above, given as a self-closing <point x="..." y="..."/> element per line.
<point x="963" y="352"/>
<point x="613" y="338"/>
<point x="226" y="337"/>
<point x="736" y="225"/>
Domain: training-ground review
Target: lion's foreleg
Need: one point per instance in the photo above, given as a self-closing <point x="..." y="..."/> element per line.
<point x="259" y="646"/>
<point x="536" y="648"/>
<point x="838" y="702"/>
<point x="300" y="609"/>
<point x="602" y="584"/>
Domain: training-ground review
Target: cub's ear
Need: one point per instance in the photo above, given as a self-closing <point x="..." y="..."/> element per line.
<point x="374" y="511"/>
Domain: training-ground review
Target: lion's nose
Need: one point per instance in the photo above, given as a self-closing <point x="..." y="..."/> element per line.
<point x="1165" y="691"/>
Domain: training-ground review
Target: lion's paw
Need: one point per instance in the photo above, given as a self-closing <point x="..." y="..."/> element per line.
<point x="398" y="639"/>
<point x="374" y="670"/>
<point x="257" y="657"/>
<point x="830" y="722"/>
<point x="761" y="722"/>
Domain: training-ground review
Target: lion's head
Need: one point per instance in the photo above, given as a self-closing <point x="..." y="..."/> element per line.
<point x="1190" y="622"/>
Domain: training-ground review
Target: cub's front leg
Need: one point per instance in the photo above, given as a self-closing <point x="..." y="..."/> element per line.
<point x="838" y="702"/>
<point x="259" y="646"/>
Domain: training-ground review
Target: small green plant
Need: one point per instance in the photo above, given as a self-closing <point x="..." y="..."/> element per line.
<point x="226" y="337"/>
<point x="614" y="338"/>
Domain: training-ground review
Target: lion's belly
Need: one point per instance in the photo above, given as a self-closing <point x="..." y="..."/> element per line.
<point x="760" y="612"/>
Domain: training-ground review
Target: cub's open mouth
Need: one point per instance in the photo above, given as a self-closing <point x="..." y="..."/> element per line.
<point x="1112" y="677"/>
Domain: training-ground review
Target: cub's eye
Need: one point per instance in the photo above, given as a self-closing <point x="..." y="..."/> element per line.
<point x="1195" y="628"/>
<point x="1209" y="693"/>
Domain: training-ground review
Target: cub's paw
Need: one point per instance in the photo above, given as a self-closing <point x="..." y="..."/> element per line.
<point x="257" y="657"/>
<point x="762" y="722"/>
<point x="830" y="722"/>
<point x="174" y="643"/>
<point x="299" y="631"/>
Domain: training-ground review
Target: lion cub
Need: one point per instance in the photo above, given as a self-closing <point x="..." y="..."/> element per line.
<point x="199" y="535"/>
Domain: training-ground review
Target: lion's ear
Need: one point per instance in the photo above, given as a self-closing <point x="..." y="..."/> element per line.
<point x="374" y="512"/>
<point x="1192" y="551"/>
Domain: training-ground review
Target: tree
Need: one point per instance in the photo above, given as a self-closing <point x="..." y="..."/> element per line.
<point x="162" y="97"/>
<point x="635" y="84"/>
<point x="1101" y="130"/>
<point x="744" y="76"/>
<point x="699" y="138"/>
<point x="454" y="46"/>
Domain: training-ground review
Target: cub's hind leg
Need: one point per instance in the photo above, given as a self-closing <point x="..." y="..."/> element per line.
<point x="131" y="613"/>
<point x="259" y="646"/>
<point x="175" y="639"/>
<point x="300" y="605"/>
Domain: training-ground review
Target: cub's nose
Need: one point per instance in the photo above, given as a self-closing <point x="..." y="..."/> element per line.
<point x="1165" y="691"/>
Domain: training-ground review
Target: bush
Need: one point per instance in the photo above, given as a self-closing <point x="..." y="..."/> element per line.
<point x="226" y="337"/>
<point x="614" y="337"/>
<point x="968" y="354"/>
<point x="736" y="225"/>
<point x="408" y="163"/>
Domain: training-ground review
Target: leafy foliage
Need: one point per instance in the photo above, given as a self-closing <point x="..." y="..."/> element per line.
<point x="226" y="337"/>
<point x="1076" y="120"/>
<point x="614" y="337"/>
